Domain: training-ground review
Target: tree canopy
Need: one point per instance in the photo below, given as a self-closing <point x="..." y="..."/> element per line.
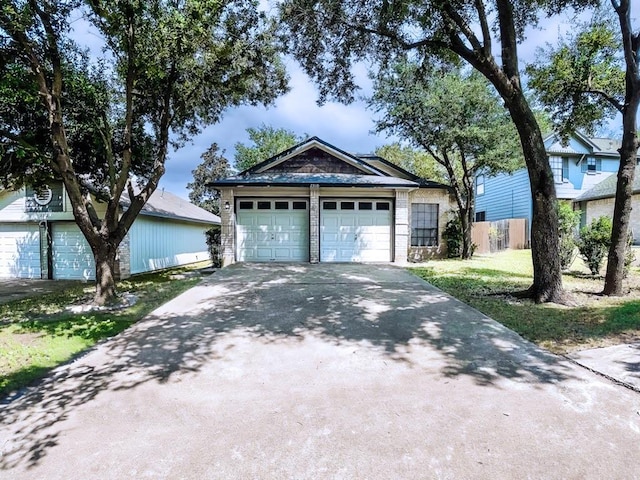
<point x="454" y="116"/>
<point x="329" y="36"/>
<point x="105" y="127"/>
<point x="213" y="167"/>
<point x="266" y="141"/>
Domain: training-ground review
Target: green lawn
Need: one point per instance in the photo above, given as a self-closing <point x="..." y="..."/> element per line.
<point x="485" y="282"/>
<point x="37" y="334"/>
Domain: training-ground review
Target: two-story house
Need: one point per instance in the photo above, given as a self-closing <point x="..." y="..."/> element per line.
<point x="577" y="166"/>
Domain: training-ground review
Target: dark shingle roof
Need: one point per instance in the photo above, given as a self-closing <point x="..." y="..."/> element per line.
<point x="607" y="188"/>
<point x="303" y="179"/>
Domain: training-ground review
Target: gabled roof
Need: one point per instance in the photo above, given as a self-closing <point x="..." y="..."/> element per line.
<point x="606" y="147"/>
<point x="167" y="205"/>
<point x="607" y="188"/>
<point x="315" y="161"/>
<point x="313" y="142"/>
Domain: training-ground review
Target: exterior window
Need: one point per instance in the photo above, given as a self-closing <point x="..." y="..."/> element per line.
<point x="556" y="168"/>
<point x="591" y="165"/>
<point x="480" y="185"/>
<point x="299" y="205"/>
<point x="282" y="205"/>
<point x="264" y="205"/>
<point x="424" y="224"/>
<point x="329" y="205"/>
<point x="481" y="216"/>
<point x="365" y="206"/>
<point x="382" y="206"/>
<point x="560" y="168"/>
<point x="246" y="205"/>
<point x="347" y="205"/>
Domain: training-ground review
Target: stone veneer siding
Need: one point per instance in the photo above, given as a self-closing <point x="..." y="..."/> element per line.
<point x="123" y="265"/>
<point x="314" y="224"/>
<point x="227" y="225"/>
<point x="604" y="207"/>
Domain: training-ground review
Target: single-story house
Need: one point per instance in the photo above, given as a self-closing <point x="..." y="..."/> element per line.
<point x="317" y="203"/>
<point x="40" y="239"/>
<point x="599" y="201"/>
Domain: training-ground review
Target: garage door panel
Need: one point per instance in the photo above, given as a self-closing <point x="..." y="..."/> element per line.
<point x="19" y="251"/>
<point x="363" y="234"/>
<point x="280" y="234"/>
<point x="72" y="256"/>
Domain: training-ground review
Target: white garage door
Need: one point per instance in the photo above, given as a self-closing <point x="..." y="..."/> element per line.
<point x="272" y="230"/>
<point x="355" y="230"/>
<point x="19" y="251"/>
<point x="72" y="256"/>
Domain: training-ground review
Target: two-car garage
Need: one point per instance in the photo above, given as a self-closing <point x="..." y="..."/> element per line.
<point x="278" y="230"/>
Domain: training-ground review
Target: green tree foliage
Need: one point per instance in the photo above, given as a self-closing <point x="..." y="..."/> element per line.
<point x="457" y="119"/>
<point x="214" y="166"/>
<point x="589" y="77"/>
<point x="266" y="142"/>
<point x="414" y="160"/>
<point x="594" y="241"/>
<point x="329" y="36"/>
<point x="106" y="127"/>
<point x="568" y="220"/>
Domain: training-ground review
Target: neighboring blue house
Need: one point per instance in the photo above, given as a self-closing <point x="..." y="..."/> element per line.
<point x="577" y="167"/>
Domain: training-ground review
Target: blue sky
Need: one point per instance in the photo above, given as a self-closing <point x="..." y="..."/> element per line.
<point x="348" y="127"/>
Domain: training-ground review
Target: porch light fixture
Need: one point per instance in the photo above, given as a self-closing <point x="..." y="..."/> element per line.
<point x="227" y="206"/>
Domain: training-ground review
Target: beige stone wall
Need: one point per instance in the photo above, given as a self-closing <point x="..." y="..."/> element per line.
<point x="604" y="207"/>
<point x="227" y="227"/>
<point x="445" y="205"/>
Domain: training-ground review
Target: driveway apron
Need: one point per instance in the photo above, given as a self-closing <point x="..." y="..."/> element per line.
<point x="320" y="371"/>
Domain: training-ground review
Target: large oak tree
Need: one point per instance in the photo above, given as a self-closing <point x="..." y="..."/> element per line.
<point x="585" y="80"/>
<point x="328" y="36"/>
<point x="170" y="67"/>
<point x="456" y="117"/>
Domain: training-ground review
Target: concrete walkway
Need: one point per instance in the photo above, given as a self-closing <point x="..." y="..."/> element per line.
<point x="320" y="371"/>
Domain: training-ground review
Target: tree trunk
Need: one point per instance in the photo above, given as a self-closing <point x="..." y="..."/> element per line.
<point x="613" y="282"/>
<point x="105" y="259"/>
<point x="545" y="239"/>
<point x="466" y="222"/>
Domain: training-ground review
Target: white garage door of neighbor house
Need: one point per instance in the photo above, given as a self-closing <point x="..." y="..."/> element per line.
<point x="72" y="256"/>
<point x="272" y="230"/>
<point x="355" y="230"/>
<point x="19" y="251"/>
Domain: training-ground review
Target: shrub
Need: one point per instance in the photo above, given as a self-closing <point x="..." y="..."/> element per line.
<point x="453" y="236"/>
<point x="568" y="221"/>
<point x="629" y="255"/>
<point x="213" y="242"/>
<point x="594" y="241"/>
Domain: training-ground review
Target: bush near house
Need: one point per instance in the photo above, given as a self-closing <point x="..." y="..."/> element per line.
<point x="594" y="242"/>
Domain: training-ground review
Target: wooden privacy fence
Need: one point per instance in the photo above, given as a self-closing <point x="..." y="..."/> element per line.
<point x="496" y="236"/>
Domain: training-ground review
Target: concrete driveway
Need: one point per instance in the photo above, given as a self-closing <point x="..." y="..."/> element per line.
<point x="320" y="371"/>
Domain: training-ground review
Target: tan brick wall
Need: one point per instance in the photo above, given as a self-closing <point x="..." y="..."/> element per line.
<point x="401" y="239"/>
<point x="124" y="258"/>
<point x="445" y="204"/>
<point x="227" y="227"/>
<point x="314" y="224"/>
<point x="604" y="207"/>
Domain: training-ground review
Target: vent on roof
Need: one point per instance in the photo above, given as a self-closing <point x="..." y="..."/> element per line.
<point x="43" y="196"/>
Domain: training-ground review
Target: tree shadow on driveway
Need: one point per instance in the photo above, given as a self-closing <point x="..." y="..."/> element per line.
<point x="383" y="308"/>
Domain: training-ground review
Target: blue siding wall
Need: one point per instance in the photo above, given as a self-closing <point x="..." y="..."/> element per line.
<point x="506" y="196"/>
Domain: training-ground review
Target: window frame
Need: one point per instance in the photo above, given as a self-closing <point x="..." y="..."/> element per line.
<point x="425" y="225"/>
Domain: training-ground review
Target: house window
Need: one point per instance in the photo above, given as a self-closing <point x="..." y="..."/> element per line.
<point x="264" y="205"/>
<point x="481" y="216"/>
<point x="424" y="224"/>
<point x="347" y="205"/>
<point x="592" y="165"/>
<point x="382" y="205"/>
<point x="299" y="205"/>
<point x="365" y="206"/>
<point x="560" y="168"/>
<point x="329" y="205"/>
<point x="480" y="185"/>
<point x="246" y="205"/>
